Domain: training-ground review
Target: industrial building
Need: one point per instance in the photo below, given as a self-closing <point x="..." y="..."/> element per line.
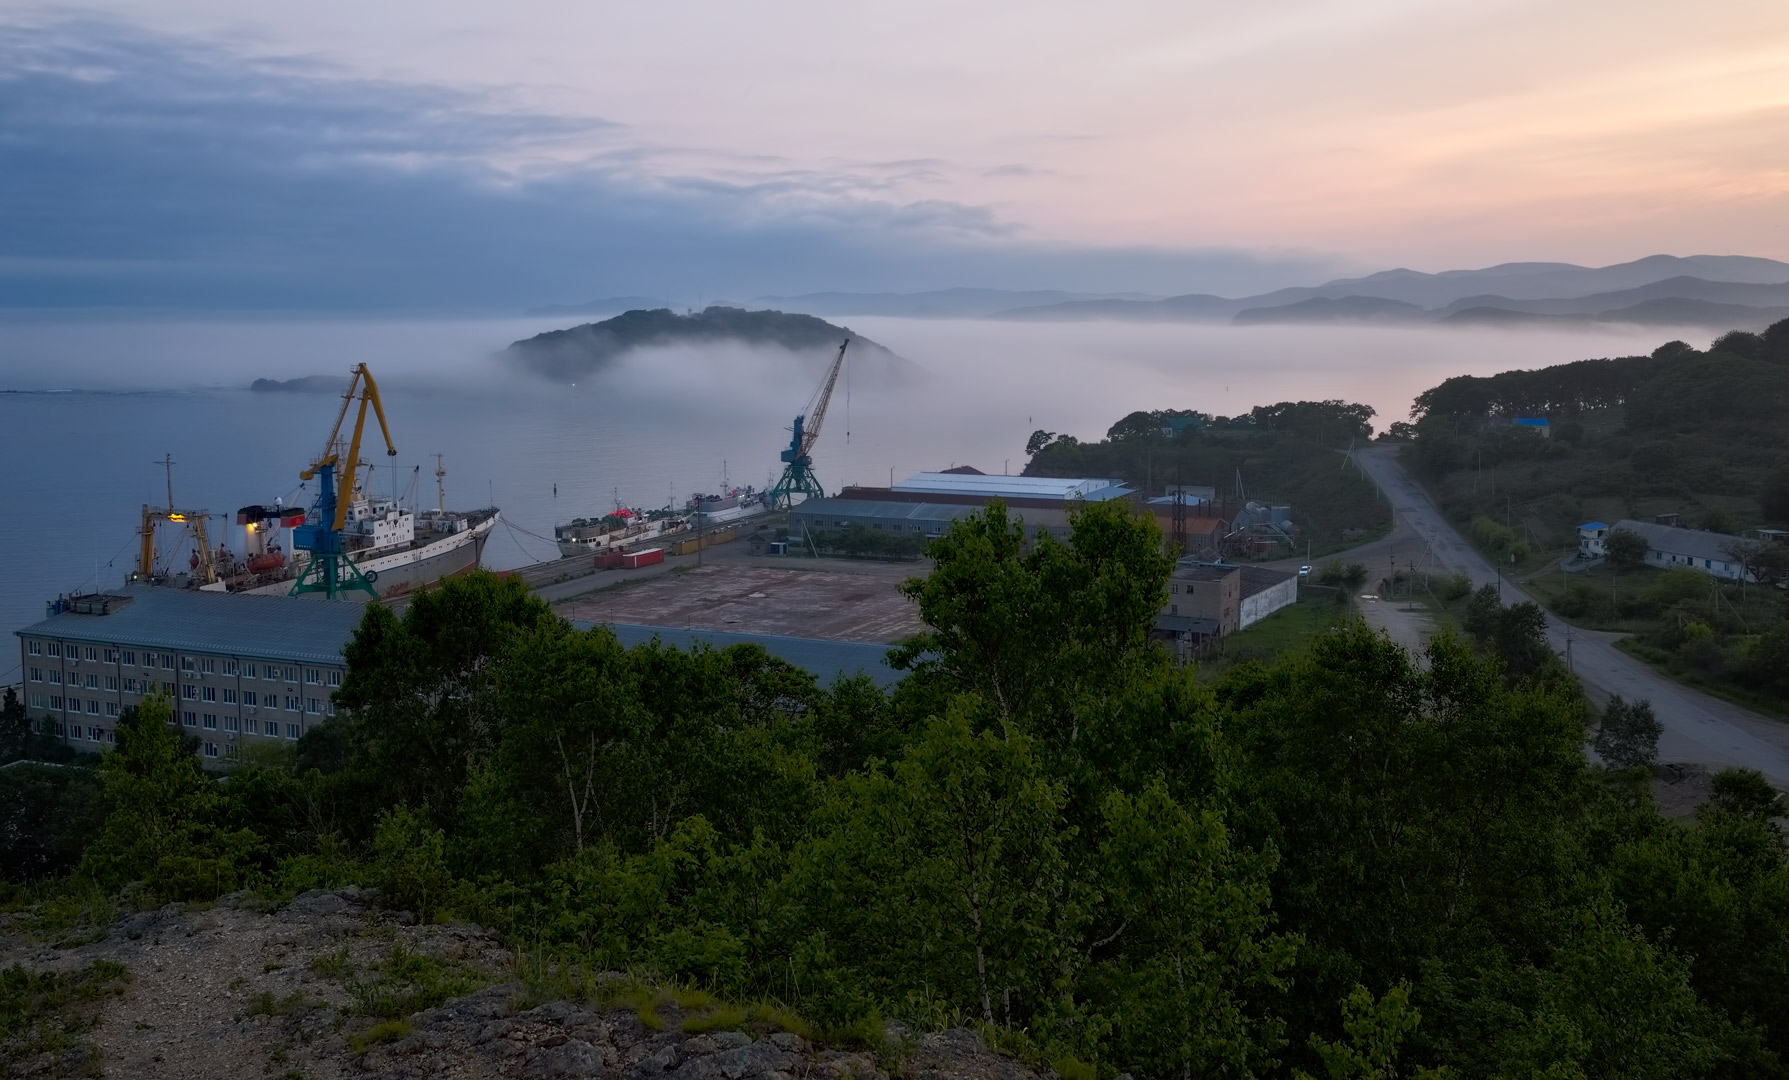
<point x="1208" y="600"/>
<point x="236" y="667"/>
<point x="925" y="504"/>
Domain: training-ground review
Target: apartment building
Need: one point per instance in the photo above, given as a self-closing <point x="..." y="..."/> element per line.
<point x="238" y="669"/>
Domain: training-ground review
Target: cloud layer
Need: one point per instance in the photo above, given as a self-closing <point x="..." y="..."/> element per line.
<point x="143" y="169"/>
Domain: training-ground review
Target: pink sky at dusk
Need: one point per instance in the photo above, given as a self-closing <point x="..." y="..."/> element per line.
<point x="1357" y="135"/>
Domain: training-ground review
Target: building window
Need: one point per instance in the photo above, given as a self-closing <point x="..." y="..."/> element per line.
<point x="37" y="674"/>
<point x="189" y="692"/>
<point x="210" y="749"/>
<point x="92" y="653"/>
<point x="313" y="676"/>
<point x="111" y="708"/>
<point x="74" y="704"/>
<point x="111" y="656"/>
<point x="37" y="701"/>
<point x="335" y="678"/>
<point x="210" y="721"/>
<point x="167" y="661"/>
<point x="316" y="706"/>
<point x="148" y="659"/>
<point x="55" y="703"/>
<point x="190" y="719"/>
<point x="271" y="673"/>
<point x="92" y="706"/>
<point x="251" y="725"/>
<point x="168" y="689"/>
<point x="248" y="671"/>
<point x="208" y="693"/>
<point x="35" y="648"/>
<point x="291" y="731"/>
<point x="229" y="667"/>
<point x="1173" y="609"/>
<point x="248" y="698"/>
<point x="293" y="704"/>
<point x="130" y="658"/>
<point x="329" y="707"/>
<point x="53" y="648"/>
<point x="130" y="686"/>
<point x="186" y="663"/>
<point x="232" y="723"/>
<point x="93" y="680"/>
<point x="229" y="696"/>
<point x="292" y="675"/>
<point x="208" y="666"/>
<point x="112" y="683"/>
<point x="55" y="677"/>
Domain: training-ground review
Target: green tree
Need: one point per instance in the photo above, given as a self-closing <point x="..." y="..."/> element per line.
<point x="15" y="727"/>
<point x="1624" y="548"/>
<point x="1629" y="733"/>
<point x="1193" y="947"/>
<point x="1376" y="1031"/>
<point x="162" y="821"/>
<point x="949" y="872"/>
<point x="420" y="706"/>
<point x="1047" y="634"/>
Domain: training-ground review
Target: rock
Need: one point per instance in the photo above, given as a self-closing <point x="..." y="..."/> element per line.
<point x="731" y="1040"/>
<point x="317" y="902"/>
<point x="575" y="1057"/>
<point x="496" y="1029"/>
<point x="402" y="918"/>
<point x="788" y="1040"/>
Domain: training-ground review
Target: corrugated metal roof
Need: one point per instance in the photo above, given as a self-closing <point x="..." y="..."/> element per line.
<point x="828" y="661"/>
<point x="850" y="509"/>
<point x="1048" y="487"/>
<point x="1258" y="579"/>
<point x="300" y="629"/>
<point x="1676" y="541"/>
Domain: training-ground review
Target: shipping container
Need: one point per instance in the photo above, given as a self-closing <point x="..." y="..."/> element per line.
<point x="633" y="560"/>
<point x="608" y="560"/>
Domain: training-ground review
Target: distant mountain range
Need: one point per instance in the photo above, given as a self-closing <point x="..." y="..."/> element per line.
<point x="574" y="353"/>
<point x="1712" y="290"/>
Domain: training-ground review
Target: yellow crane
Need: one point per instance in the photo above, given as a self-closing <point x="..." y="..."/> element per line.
<point x="330" y="570"/>
<point x="348" y="471"/>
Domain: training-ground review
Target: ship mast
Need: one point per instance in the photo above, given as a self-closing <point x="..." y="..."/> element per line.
<point x="440" y="490"/>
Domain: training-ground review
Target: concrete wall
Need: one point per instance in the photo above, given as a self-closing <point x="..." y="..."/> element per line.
<point x="1269" y="600"/>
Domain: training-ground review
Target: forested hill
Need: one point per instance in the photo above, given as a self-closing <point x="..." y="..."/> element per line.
<point x="583" y="350"/>
<point x="1696" y="432"/>
<point x="1287" y="454"/>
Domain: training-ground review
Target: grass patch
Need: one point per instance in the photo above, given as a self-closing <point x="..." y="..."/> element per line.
<point x="1668" y="665"/>
<point x="723" y="1018"/>
<point x="1289" y="629"/>
<point x="409" y="982"/>
<point x="335" y="965"/>
<point x="385" y="1031"/>
<point x="46" y="1012"/>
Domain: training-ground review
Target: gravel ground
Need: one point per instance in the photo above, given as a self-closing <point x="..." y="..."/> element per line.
<point x="323" y="988"/>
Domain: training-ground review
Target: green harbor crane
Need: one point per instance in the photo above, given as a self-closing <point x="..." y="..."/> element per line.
<point x="798" y="462"/>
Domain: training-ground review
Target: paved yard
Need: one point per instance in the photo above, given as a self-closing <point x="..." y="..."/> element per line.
<point x="845" y="604"/>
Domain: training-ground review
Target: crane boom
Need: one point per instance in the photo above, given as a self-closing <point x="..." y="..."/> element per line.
<point x="348" y="471"/>
<point x="812" y="434"/>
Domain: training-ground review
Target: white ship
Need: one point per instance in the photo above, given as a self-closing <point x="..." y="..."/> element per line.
<point x="735" y="504"/>
<point x="396" y="547"/>
<point x="621" y="527"/>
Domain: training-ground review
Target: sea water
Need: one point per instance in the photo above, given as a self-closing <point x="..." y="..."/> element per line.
<point x="97" y="403"/>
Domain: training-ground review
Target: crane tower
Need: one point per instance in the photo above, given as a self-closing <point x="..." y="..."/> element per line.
<point x="330" y="571"/>
<point x="798" y="462"/>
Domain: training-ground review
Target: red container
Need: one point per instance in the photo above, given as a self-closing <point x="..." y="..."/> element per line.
<point x="633" y="560"/>
<point x="608" y="560"/>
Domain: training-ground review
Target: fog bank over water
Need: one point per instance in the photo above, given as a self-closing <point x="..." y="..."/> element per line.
<point x="663" y="423"/>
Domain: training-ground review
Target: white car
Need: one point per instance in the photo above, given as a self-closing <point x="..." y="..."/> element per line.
<point x="1304" y="571"/>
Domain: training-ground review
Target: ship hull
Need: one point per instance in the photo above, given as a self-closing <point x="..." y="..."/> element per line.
<point x="404" y="572"/>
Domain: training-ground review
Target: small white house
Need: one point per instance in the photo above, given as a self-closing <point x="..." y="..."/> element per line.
<point x="1590" y="539"/>
<point x="1668" y="546"/>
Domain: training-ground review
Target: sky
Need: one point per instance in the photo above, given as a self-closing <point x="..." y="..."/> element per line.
<point x="338" y="154"/>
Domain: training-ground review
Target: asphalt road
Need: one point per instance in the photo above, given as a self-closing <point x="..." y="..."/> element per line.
<point x="1699" y="729"/>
